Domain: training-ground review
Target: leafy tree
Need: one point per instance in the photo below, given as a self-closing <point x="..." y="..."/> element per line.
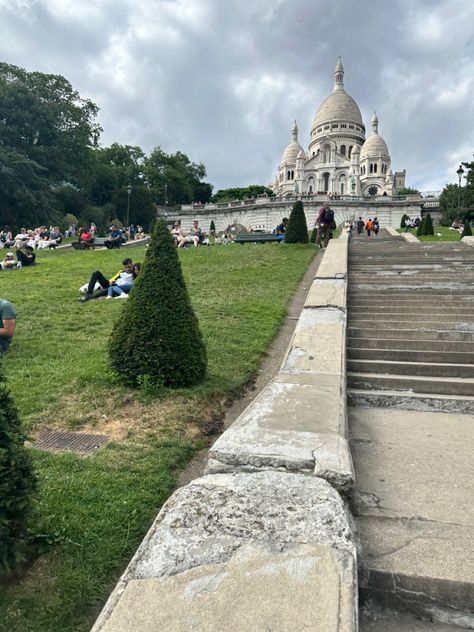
<point x="44" y="118"/>
<point x="403" y="220"/>
<point x="252" y="191"/>
<point x="157" y="336"/>
<point x="25" y="195"/>
<point x="428" y="228"/>
<point x="420" y="229"/>
<point x="174" y="179"/>
<point x="17" y="481"/>
<point x="297" y="229"/>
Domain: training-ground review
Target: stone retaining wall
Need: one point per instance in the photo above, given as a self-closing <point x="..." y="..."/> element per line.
<point x="263" y="541"/>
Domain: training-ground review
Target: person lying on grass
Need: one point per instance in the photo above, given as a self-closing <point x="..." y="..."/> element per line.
<point x="123" y="276"/>
<point x="121" y="288"/>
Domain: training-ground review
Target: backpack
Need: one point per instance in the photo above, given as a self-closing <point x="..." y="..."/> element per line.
<point x="328" y="216"/>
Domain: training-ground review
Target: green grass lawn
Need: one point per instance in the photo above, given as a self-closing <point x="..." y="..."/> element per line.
<point x="93" y="511"/>
<point x="441" y="233"/>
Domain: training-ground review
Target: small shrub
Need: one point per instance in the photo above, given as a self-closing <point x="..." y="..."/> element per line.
<point x="17" y="481"/>
<point x="403" y="220"/>
<point x="297" y="229"/>
<point x="428" y="228"/>
<point x="313" y="236"/>
<point x="212" y="227"/>
<point x="467" y="230"/>
<point x="157" y="340"/>
<point x="420" y="228"/>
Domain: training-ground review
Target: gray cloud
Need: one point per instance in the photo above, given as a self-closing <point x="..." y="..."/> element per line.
<point x="223" y="81"/>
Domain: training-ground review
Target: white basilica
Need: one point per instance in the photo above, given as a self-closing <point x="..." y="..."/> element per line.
<point x="340" y="160"/>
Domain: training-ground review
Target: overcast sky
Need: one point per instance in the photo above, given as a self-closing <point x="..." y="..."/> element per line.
<point x="223" y="80"/>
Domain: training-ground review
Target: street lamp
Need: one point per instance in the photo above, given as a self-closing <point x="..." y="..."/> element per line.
<point x="460" y="173"/>
<point x="166" y="196"/>
<point x="129" y="191"/>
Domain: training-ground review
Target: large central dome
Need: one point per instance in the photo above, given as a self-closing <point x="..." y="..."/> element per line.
<point x="338" y="106"/>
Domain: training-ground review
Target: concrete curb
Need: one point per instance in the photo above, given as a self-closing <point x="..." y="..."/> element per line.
<point x="410" y="237"/>
<point x="270" y="506"/>
<point x="469" y="241"/>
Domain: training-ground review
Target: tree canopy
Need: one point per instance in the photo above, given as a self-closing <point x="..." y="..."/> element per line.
<point x="51" y="163"/>
<point x="229" y="195"/>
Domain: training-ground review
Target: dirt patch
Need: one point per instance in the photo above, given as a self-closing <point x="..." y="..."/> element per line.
<point x="269" y="368"/>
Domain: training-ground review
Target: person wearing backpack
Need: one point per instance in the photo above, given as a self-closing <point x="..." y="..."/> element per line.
<point x="360" y="226"/>
<point x="376" y="226"/>
<point x="369" y="225"/>
<point x="326" y="225"/>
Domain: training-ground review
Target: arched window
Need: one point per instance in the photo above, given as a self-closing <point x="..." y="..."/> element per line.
<point x="343" y="150"/>
<point x="327" y="153"/>
<point x="342" y="183"/>
<point x="350" y="150"/>
<point x="371" y="168"/>
<point x="375" y="168"/>
<point x="292" y="175"/>
<point x="326" y="177"/>
<point x="288" y="174"/>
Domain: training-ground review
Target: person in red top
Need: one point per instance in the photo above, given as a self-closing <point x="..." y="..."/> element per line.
<point x="369" y="226"/>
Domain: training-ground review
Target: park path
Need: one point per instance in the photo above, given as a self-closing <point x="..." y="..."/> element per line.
<point x="410" y="363"/>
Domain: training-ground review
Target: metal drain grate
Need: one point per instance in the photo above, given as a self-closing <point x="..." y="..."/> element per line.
<point x="58" y="441"/>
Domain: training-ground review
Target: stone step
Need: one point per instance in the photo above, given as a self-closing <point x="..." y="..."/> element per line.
<point x="415" y="383"/>
<point x="408" y="355"/>
<point x="409" y="338"/>
<point x="408" y="400"/>
<point x="422" y="293"/>
<point x="384" y="304"/>
<point x="414" y="511"/>
<point x="373" y="323"/>
<point x="377" y="620"/>
<point x="440" y="313"/>
<point x="420" y="369"/>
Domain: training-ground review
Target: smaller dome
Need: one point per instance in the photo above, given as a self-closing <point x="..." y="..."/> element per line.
<point x="375" y="145"/>
<point x="301" y="154"/>
<point x="292" y="150"/>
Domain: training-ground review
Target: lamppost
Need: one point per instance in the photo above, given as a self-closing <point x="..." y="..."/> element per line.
<point x="129" y="192"/>
<point x="460" y="173"/>
<point x="166" y="196"/>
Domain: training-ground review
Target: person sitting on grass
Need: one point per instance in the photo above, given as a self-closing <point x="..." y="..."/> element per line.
<point x="122" y="287"/>
<point x="7" y="324"/>
<point x="26" y="256"/>
<point x="122" y="276"/>
<point x="193" y="237"/>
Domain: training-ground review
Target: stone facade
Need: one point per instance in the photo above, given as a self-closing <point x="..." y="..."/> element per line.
<point x="340" y="160"/>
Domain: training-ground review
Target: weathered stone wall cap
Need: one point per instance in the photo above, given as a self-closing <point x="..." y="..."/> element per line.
<point x="281" y="524"/>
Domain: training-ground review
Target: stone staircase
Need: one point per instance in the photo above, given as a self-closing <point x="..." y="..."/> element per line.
<point x="410" y="328"/>
<point x="410" y="377"/>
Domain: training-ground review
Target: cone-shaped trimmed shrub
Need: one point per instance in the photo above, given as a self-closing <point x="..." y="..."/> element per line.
<point x="403" y="220"/>
<point x="420" y="228"/>
<point x="212" y="227"/>
<point x="17" y="481"/>
<point x="157" y="335"/>
<point x="428" y="228"/>
<point x="313" y="236"/>
<point x="297" y="229"/>
<point x="467" y="230"/>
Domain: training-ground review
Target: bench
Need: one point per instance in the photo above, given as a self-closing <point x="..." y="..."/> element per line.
<point x="97" y="242"/>
<point x="261" y="238"/>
